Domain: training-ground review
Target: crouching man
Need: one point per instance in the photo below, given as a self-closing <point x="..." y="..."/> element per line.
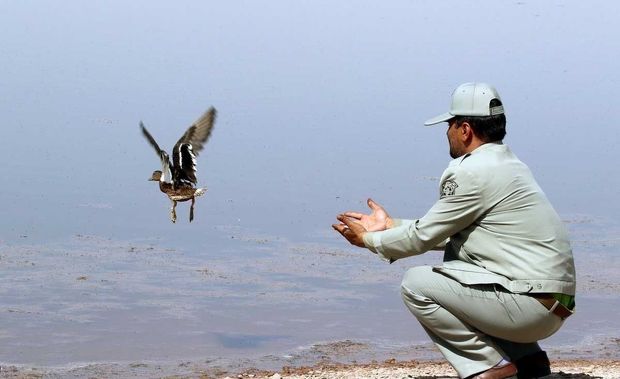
<point x="508" y="276"/>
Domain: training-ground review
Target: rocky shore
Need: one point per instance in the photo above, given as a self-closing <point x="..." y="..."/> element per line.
<point x="575" y="369"/>
<point x="390" y="369"/>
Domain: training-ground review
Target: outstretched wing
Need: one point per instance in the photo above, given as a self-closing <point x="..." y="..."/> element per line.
<point x="190" y="144"/>
<point x="200" y="131"/>
<point x="163" y="156"/>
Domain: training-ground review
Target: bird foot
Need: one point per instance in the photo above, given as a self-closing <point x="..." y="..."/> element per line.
<point x="191" y="209"/>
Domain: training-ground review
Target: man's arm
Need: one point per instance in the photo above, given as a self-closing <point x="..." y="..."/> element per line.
<point x="452" y="213"/>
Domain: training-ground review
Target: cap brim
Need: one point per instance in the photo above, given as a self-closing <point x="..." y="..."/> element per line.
<point x="439" y="119"/>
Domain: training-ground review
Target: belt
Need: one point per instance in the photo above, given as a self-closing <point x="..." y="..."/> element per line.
<point x="554" y="306"/>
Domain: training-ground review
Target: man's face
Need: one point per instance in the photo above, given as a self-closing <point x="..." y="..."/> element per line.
<point x="456" y="146"/>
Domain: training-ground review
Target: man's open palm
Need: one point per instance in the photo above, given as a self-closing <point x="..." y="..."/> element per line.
<point x="376" y="221"/>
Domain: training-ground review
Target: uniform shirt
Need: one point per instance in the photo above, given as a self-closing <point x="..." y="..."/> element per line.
<point x="495" y="224"/>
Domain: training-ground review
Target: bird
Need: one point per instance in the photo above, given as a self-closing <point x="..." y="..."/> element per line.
<point x="178" y="179"/>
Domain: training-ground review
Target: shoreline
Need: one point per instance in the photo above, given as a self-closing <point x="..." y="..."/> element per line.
<point x="389" y="369"/>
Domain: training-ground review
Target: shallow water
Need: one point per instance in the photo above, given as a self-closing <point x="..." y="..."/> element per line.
<point x="245" y="299"/>
<point x="320" y="106"/>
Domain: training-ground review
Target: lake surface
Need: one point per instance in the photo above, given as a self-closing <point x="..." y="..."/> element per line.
<point x="320" y="106"/>
<point x="243" y="300"/>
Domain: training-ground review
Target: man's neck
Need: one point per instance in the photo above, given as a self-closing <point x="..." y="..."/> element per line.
<point x="476" y="143"/>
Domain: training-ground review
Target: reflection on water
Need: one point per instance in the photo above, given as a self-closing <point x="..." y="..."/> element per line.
<point x="244" y="341"/>
<point x="95" y="299"/>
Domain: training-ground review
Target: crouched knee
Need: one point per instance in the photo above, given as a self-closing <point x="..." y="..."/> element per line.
<point x="415" y="280"/>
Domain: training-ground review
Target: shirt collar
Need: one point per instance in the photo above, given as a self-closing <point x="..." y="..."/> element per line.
<point x="483" y="147"/>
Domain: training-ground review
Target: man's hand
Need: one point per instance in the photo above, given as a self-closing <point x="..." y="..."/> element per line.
<point x="353" y="225"/>
<point x="376" y="221"/>
<point x="351" y="229"/>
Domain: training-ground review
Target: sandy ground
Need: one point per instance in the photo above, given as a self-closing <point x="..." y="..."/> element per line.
<point x="390" y="369"/>
<point x="417" y="369"/>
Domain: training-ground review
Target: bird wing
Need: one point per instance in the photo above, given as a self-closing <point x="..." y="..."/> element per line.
<point x="163" y="156"/>
<point x="190" y="144"/>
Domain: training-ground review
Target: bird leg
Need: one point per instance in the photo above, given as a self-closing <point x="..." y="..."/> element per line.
<point x="173" y="212"/>
<point x="191" y="210"/>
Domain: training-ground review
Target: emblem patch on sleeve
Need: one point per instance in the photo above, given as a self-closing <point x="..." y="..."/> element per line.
<point x="448" y="188"/>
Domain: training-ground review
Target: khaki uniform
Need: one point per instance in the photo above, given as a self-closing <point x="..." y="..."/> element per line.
<point x="502" y="240"/>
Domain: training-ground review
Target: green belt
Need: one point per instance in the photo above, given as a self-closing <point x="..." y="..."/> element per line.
<point x="566" y="300"/>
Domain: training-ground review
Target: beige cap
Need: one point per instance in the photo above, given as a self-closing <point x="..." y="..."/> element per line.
<point x="470" y="99"/>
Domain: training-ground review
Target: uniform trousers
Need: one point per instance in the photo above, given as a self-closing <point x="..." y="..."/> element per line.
<point x="476" y="326"/>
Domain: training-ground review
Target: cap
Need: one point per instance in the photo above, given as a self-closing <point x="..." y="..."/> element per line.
<point x="470" y="99"/>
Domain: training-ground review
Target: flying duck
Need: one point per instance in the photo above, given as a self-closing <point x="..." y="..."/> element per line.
<point x="178" y="180"/>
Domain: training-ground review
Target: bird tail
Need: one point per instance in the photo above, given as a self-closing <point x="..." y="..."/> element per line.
<point x="200" y="191"/>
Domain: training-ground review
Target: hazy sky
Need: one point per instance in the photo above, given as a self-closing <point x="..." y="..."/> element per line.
<point x="321" y="105"/>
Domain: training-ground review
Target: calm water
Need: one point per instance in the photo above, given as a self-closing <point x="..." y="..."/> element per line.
<point x="320" y="106"/>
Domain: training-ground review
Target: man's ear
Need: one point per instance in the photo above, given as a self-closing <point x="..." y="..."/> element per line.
<point x="466" y="131"/>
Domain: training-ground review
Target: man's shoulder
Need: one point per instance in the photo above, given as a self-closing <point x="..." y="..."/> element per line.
<point x="490" y="155"/>
<point x="460" y="176"/>
<point x="488" y="164"/>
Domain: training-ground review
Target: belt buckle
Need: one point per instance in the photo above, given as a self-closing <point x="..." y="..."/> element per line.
<point x="562" y="312"/>
<point x="554" y="306"/>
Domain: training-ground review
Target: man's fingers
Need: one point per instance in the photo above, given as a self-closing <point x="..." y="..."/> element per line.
<point x="343" y="229"/>
<point x="339" y="227"/>
<point x="351" y="223"/>
<point x="341" y="218"/>
<point x="351" y="229"/>
<point x="355" y="215"/>
<point x="345" y="220"/>
<point x="373" y="205"/>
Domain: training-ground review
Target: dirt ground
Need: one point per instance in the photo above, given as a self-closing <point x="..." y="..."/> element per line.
<point x="576" y="369"/>
<point x="390" y="369"/>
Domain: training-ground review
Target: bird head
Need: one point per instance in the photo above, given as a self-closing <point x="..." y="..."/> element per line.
<point x="156" y="176"/>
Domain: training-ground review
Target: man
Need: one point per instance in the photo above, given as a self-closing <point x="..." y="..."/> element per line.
<point x="508" y="276"/>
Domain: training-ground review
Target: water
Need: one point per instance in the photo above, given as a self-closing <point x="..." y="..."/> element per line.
<point x="320" y="106"/>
